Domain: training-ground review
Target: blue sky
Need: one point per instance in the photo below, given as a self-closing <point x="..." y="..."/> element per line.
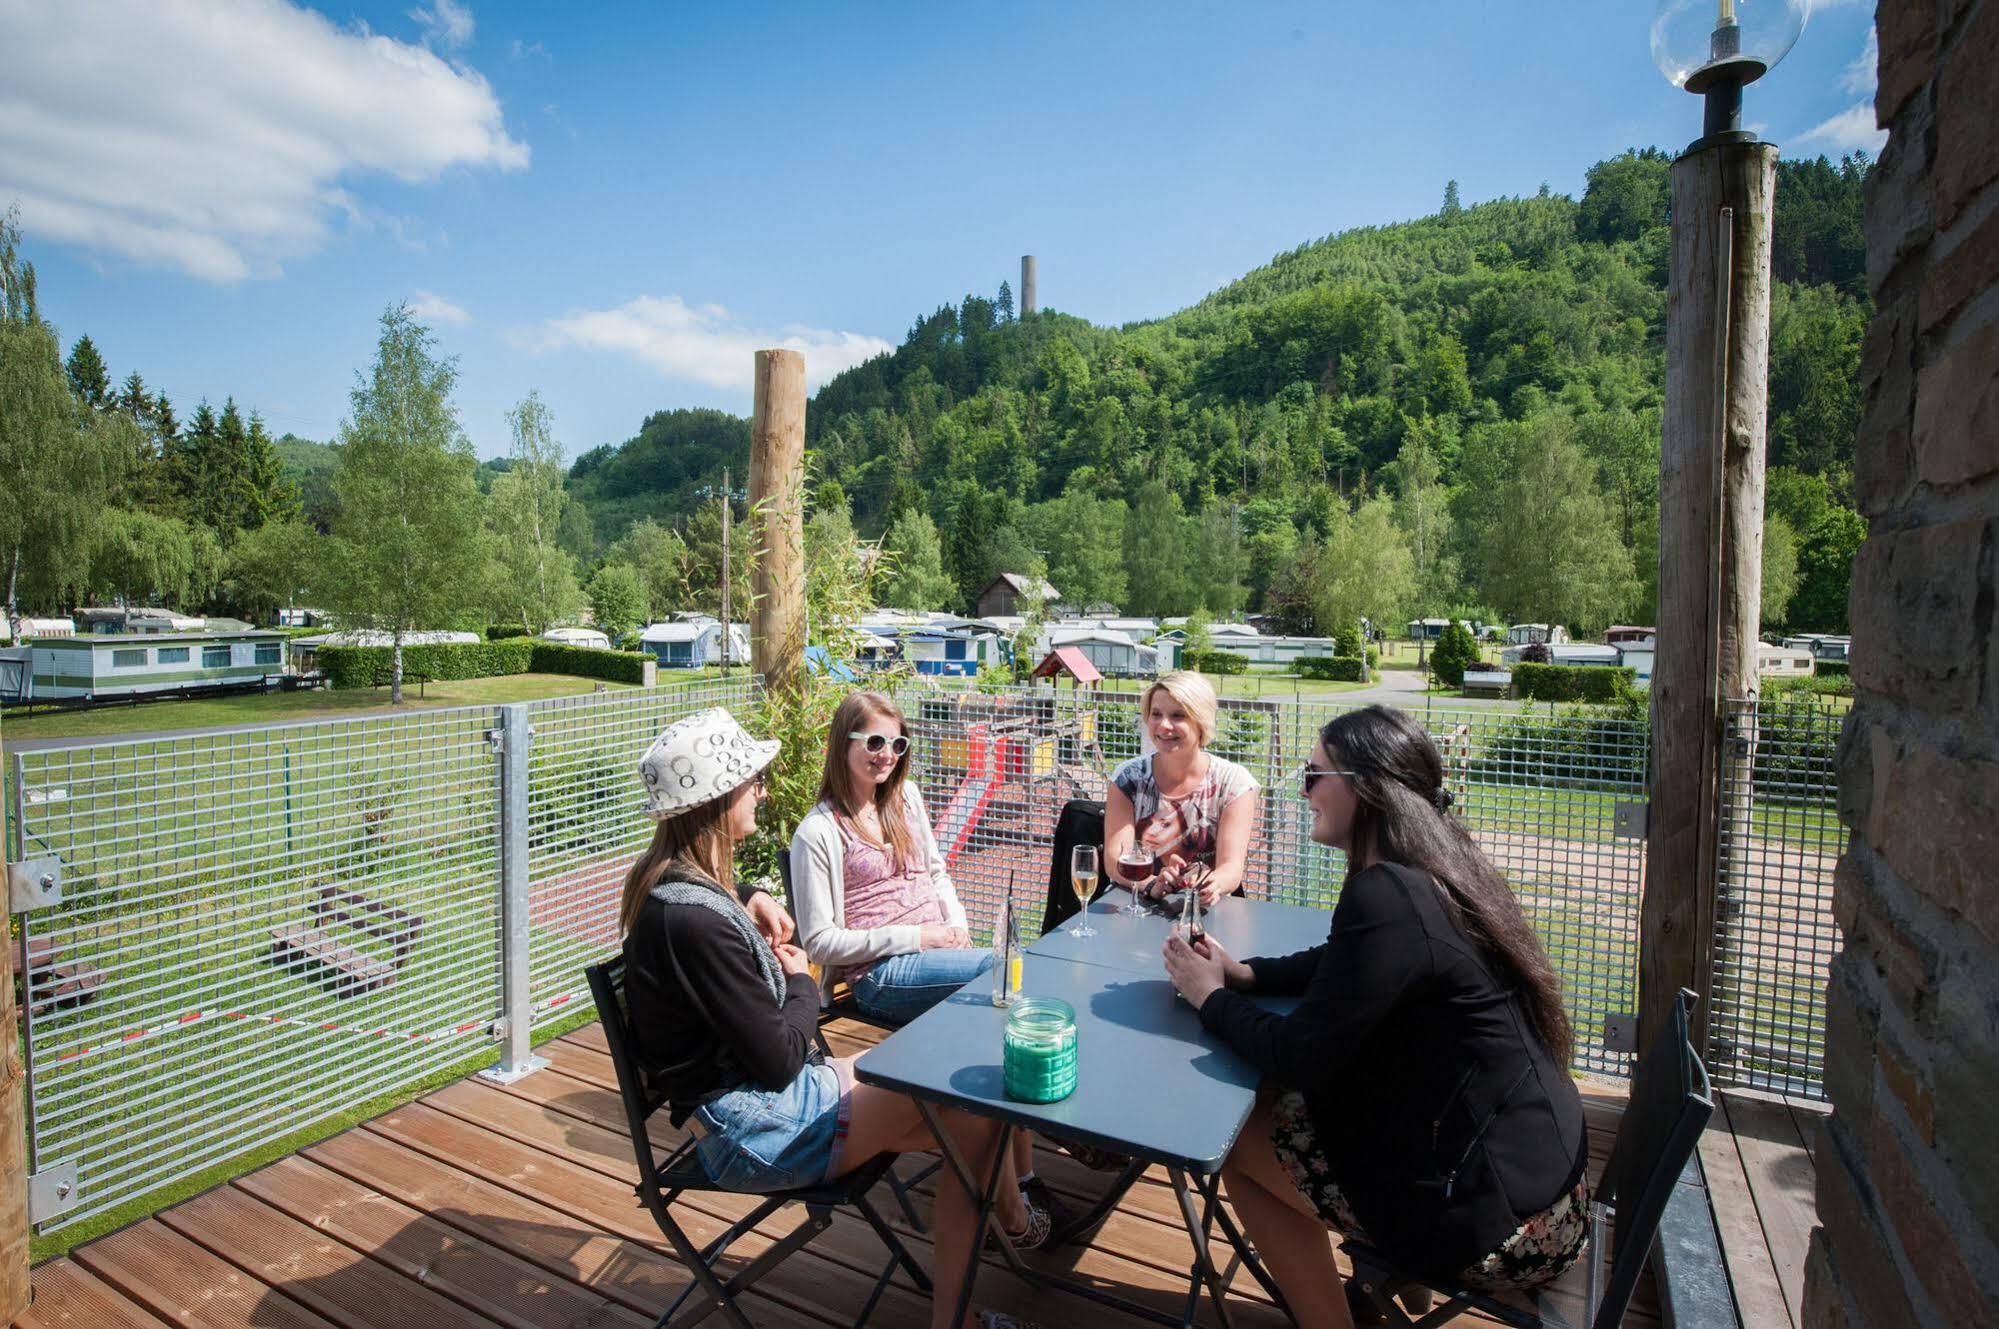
<point x="614" y="203"/>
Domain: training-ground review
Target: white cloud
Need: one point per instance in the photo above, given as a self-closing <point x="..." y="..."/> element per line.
<point x="1859" y="77"/>
<point x="430" y="307"/>
<point x="1851" y="129"/>
<point x="220" y="137"/>
<point x="520" y="50"/>
<point x="446" y="23"/>
<point x="706" y="345"/>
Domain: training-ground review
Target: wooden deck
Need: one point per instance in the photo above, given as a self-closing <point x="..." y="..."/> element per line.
<point x="482" y="1206"/>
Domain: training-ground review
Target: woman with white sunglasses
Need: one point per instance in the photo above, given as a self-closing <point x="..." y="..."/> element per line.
<point x="874" y="903"/>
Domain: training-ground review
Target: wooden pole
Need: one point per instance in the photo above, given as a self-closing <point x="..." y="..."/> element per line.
<point x="727" y="608"/>
<point x="1710" y="553"/>
<point x="16" y="1291"/>
<point x="777" y="507"/>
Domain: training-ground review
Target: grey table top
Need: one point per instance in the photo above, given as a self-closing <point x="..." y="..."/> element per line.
<point x="1244" y="928"/>
<point x="1153" y="1082"/>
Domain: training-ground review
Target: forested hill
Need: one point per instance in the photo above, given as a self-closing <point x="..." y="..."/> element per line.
<point x="1459" y="412"/>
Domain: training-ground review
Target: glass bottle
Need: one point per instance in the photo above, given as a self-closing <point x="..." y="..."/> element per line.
<point x="1003" y="949"/>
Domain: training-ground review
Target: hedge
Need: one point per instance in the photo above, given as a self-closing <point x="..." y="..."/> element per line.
<point x="1217" y="662"/>
<point x="1543" y="682"/>
<point x="1831" y="669"/>
<point x="553" y="657"/>
<point x="370" y="666"/>
<point x="504" y="631"/>
<point x="1337" y="668"/>
<point x="1820" y="685"/>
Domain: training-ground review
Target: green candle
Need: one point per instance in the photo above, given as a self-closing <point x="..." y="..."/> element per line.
<point x="1039" y="1056"/>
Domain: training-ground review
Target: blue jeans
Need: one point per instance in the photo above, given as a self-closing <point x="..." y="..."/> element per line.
<point x="902" y="987"/>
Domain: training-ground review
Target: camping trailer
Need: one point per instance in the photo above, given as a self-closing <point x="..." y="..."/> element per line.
<point x="107" y="666"/>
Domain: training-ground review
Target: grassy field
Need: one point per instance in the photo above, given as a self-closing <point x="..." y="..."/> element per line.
<point x="279" y="707"/>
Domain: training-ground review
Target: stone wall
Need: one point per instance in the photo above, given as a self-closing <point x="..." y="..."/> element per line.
<point x="1909" y="1179"/>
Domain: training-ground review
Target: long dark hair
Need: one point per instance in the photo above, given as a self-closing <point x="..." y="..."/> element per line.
<point x="1403" y="817"/>
<point x="695" y="839"/>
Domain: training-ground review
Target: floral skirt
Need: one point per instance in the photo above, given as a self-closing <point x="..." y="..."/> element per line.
<point x="1539" y="1251"/>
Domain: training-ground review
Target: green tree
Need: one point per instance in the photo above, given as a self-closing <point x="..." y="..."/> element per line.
<point x="142" y="558"/>
<point x="408" y="522"/>
<point x="1084" y="537"/>
<point x="1455" y="651"/>
<point x="88" y="377"/>
<point x="703" y="572"/>
<point x="660" y="557"/>
<point x="1362" y="569"/>
<point x="1825" y="570"/>
<point x="1155" y="554"/>
<point x="1539" y="539"/>
<point x="916" y="579"/>
<point x="1625" y="196"/>
<point x="617" y="599"/>
<point x="1452" y="207"/>
<point x="533" y="578"/>
<point x="59" y="465"/>
<point x="1780" y="571"/>
<point x="275" y="566"/>
<point x="1218" y="562"/>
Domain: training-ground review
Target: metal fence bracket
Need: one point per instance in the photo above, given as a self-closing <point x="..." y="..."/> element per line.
<point x="1620" y="1032"/>
<point x="1629" y="820"/>
<point x="34" y="884"/>
<point x="52" y="1192"/>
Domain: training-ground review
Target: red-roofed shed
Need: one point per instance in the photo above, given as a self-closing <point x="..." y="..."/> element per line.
<point x="1068" y="660"/>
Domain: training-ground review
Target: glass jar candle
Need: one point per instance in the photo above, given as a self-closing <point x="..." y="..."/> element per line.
<point x="1039" y="1057"/>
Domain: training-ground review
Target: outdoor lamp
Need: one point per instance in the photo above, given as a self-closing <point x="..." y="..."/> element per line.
<point x="1715" y="47"/>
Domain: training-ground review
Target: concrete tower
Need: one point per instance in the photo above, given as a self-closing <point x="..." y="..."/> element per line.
<point x="1027" y="301"/>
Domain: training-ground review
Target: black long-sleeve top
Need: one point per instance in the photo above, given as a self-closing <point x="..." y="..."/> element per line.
<point x="702" y="1015"/>
<point x="1445" y="1120"/>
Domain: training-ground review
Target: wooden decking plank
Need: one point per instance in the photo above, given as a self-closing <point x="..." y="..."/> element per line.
<point x="1781" y="1178"/>
<point x="1810" y="1115"/>
<point x="620" y="1270"/>
<point x="67" y="1296"/>
<point x="1759" y="1298"/>
<point x="809" y="1283"/>
<point x="848" y="1237"/>
<point x="479" y="1276"/>
<point x="185" y="1284"/>
<point x="327" y="1275"/>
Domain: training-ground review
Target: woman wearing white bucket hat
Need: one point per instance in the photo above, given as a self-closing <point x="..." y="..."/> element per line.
<point x="723" y="1018"/>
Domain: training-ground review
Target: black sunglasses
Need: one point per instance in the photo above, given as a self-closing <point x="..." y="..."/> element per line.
<point x="1310" y="775"/>
<point x="876" y="742"/>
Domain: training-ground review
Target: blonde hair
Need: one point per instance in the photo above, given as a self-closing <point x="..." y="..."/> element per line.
<point x="837" y="785"/>
<point x="1196" y="696"/>
<point x="697" y="838"/>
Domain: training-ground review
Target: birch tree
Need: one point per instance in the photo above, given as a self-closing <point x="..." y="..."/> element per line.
<point x="407" y="520"/>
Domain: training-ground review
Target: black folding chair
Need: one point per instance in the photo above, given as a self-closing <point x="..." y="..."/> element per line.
<point x="662" y="1180"/>
<point x="1081" y="822"/>
<point x="843" y="1006"/>
<point x="1660" y="1130"/>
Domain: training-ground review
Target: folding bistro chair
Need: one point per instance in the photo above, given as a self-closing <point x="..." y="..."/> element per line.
<point x="843" y="1006"/>
<point x="1659" y="1132"/>
<point x="662" y="1180"/>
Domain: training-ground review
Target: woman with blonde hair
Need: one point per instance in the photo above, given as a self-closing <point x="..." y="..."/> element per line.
<point x="723" y="1019"/>
<point x="875" y="905"/>
<point x="1192" y="809"/>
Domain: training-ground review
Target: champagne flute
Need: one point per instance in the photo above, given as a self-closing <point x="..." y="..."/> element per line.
<point x="1136" y="865"/>
<point x="1083" y="881"/>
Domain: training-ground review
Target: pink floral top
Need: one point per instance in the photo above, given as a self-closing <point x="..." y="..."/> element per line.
<point x="880" y="896"/>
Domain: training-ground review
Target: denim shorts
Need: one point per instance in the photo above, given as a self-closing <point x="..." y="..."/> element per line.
<point x="902" y="987"/>
<point x="758" y="1140"/>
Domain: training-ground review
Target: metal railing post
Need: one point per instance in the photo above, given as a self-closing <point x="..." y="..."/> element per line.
<point x="511" y="737"/>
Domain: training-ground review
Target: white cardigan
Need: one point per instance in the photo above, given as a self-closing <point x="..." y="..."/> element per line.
<point x="819" y="893"/>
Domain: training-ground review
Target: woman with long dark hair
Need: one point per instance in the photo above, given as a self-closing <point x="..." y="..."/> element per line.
<point x="1419" y="1096"/>
<point x="723" y="1018"/>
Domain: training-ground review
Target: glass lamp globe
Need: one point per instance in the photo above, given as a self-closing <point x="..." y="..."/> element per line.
<point x="1700" y="45"/>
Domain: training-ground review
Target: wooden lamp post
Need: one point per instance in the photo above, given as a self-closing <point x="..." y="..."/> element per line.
<point x="1710" y="478"/>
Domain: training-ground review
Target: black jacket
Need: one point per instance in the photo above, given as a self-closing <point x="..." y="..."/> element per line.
<point x="1445" y="1120"/>
<point x="702" y="1015"/>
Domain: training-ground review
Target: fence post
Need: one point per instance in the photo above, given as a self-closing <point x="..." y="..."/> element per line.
<point x="511" y="737"/>
<point x="16" y="1291"/>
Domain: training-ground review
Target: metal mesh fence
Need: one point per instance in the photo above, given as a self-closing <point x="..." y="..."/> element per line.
<point x="586" y="821"/>
<point x="257" y="930"/>
<point x="1540" y="791"/>
<point x="1780" y="836"/>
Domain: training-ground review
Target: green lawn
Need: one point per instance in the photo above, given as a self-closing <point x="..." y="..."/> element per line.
<point x="1252" y="685"/>
<point x="278" y="707"/>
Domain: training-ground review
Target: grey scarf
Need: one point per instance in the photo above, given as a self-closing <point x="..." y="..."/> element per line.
<point x="709" y="896"/>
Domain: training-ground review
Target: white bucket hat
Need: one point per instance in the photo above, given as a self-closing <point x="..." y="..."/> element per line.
<point x="699" y="758"/>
